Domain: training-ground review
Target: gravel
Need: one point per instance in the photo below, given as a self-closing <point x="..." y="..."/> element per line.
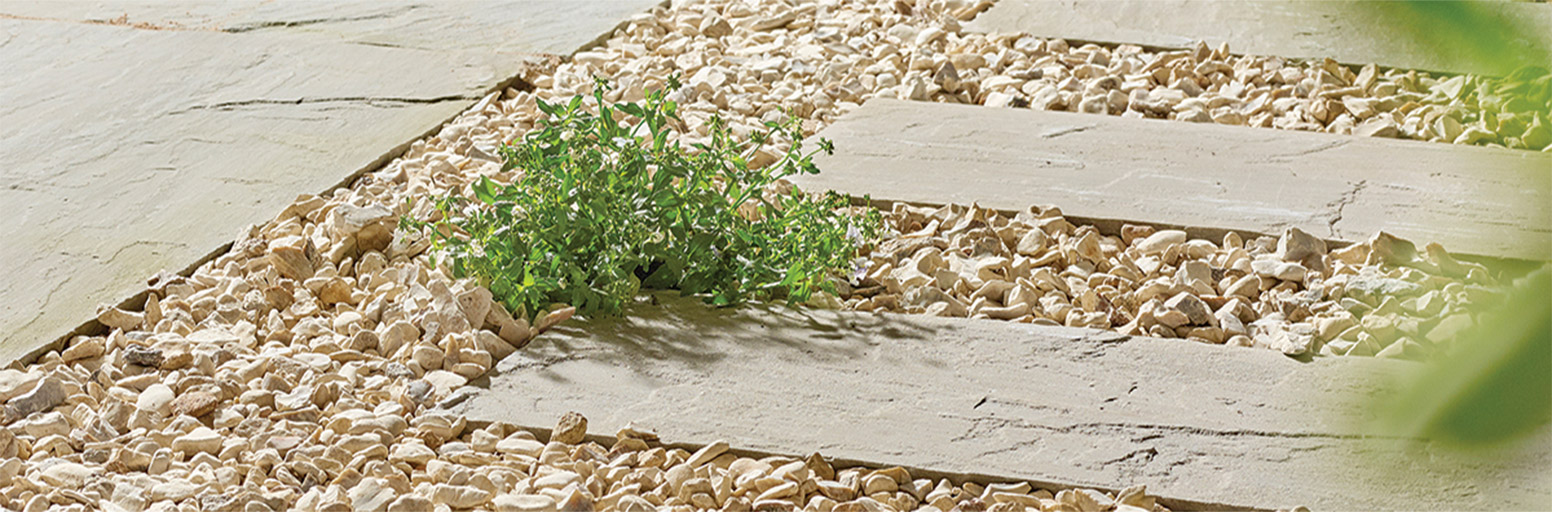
<point x="1382" y="297"/>
<point x="821" y="60"/>
<point x="299" y="369"/>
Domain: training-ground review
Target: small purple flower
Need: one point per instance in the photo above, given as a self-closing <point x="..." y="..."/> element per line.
<point x="860" y="271"/>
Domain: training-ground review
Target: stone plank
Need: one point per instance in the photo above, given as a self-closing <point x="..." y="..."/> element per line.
<point x="494" y="29"/>
<point x="130" y="150"/>
<point x="1203" y="424"/>
<point x="1383" y="33"/>
<point x="1473" y="200"/>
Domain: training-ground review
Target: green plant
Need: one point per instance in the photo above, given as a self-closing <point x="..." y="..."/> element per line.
<point x="603" y="208"/>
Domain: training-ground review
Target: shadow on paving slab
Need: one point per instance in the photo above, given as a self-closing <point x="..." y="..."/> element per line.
<point x="649" y="333"/>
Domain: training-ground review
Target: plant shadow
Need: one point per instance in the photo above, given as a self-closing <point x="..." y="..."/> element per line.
<point x="669" y="331"/>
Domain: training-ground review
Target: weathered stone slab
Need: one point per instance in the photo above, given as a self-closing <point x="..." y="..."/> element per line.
<point x="1201" y="423"/>
<point x="493" y="29"/>
<point x="1473" y="200"/>
<point x="134" y="148"/>
<point x="1390" y="34"/>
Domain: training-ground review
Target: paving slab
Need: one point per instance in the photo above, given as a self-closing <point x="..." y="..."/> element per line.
<point x="1389" y="34"/>
<point x="1474" y="200"/>
<point x="1206" y="425"/>
<point x="492" y="29"/>
<point x="130" y="149"/>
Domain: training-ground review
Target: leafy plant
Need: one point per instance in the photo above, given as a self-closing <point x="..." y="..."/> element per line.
<point x="603" y="208"/>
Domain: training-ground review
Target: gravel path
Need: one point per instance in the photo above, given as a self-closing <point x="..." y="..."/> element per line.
<point x="297" y="370"/>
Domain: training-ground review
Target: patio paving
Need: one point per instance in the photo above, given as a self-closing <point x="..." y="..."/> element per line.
<point x="137" y="144"/>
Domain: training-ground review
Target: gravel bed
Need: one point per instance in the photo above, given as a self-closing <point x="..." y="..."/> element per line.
<point x="298" y="370"/>
<point x="823" y="59"/>
<point x="1383" y="297"/>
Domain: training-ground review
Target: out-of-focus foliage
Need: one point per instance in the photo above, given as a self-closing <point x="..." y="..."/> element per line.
<point x="1476" y="32"/>
<point x="1499" y="388"/>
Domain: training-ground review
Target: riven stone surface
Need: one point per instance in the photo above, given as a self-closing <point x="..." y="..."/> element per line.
<point x="494" y="29"/>
<point x="1473" y="200"/>
<point x="1391" y="34"/>
<point x="1203" y="423"/>
<point x="139" y="144"/>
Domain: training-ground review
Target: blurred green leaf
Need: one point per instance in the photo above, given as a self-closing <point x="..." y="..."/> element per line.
<point x="1498" y="386"/>
<point x="1480" y="33"/>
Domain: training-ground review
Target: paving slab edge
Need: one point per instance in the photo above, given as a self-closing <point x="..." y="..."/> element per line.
<point x="543" y="432"/>
<point x="136" y="302"/>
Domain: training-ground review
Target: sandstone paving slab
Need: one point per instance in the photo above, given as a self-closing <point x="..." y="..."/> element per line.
<point x="1201" y="424"/>
<point x="492" y="29"/>
<point x="1353" y="32"/>
<point x="1474" y="200"/>
<point x="126" y="150"/>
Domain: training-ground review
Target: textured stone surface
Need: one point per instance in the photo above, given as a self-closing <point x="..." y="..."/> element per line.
<point x="133" y="148"/>
<point x="1473" y="200"/>
<point x="1197" y="422"/>
<point x="492" y="29"/>
<point x="1350" y="32"/>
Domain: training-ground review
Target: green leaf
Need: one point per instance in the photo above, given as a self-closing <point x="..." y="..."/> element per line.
<point x="1497" y="387"/>
<point x="484" y="190"/>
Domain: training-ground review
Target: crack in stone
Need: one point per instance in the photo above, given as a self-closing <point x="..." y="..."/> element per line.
<point x="1067" y="131"/>
<point x="336" y="99"/>
<point x="380" y="44"/>
<point x="47" y="299"/>
<point x="1133" y="462"/>
<point x="121" y="21"/>
<point x="138" y="243"/>
<point x="1317" y="149"/>
<point x="976" y="430"/>
<point x="1341" y="205"/>
<point x="532" y="362"/>
<point x="261" y="25"/>
<point x="233" y="180"/>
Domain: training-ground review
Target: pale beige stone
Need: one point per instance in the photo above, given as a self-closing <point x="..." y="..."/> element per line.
<point x="16" y="382"/>
<point x="571" y="429"/>
<point x="528" y="503"/>
<point x="68" y="475"/>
